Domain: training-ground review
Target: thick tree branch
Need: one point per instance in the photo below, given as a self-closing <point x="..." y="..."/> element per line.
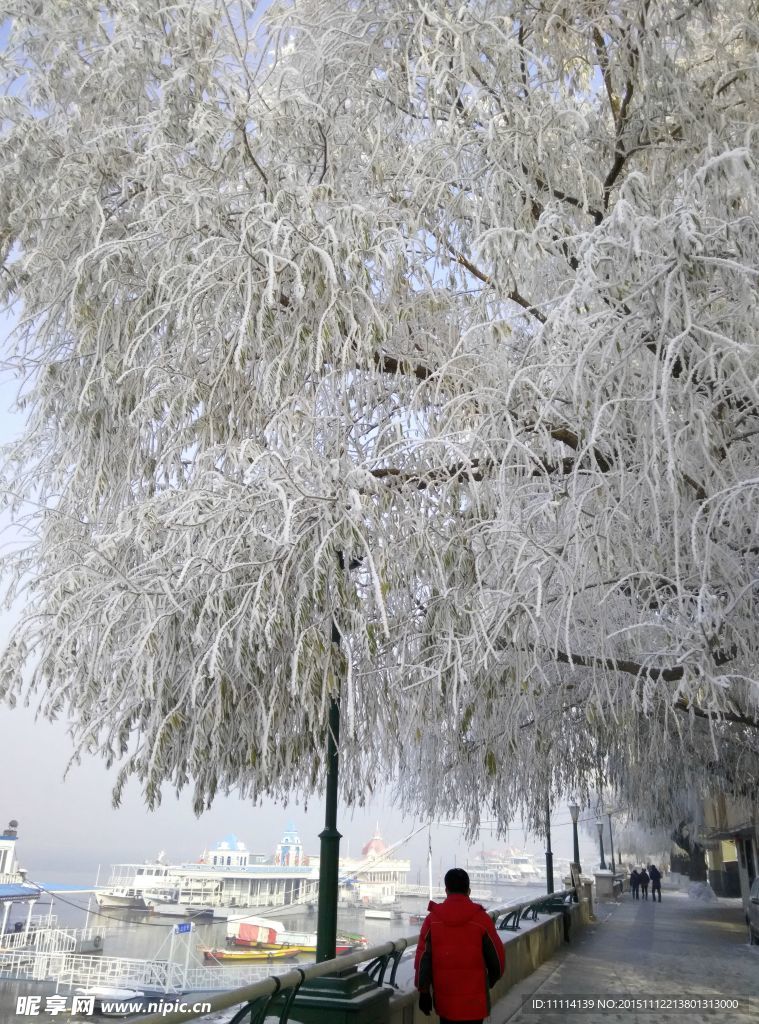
<point x="251" y="155"/>
<point x="667" y="675"/>
<point x="390" y="364"/>
<point x="514" y="295"/>
<point x="572" y="440"/>
<point x="564" y="197"/>
<point x="474" y="471"/>
<point x="620" y="151"/>
<point x="603" y="63"/>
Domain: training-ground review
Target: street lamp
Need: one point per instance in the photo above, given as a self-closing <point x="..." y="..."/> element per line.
<point x="600" y="827"/>
<point x="574" y="810"/>
<point x="611" y="843"/>
<point x="549" y="851"/>
<point x="329" y="854"/>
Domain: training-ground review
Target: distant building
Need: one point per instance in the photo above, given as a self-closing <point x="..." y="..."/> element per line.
<point x="229" y="852"/>
<point x="13" y="886"/>
<point x="289" y="850"/>
<point x="8" y="865"/>
<point x="731" y="837"/>
<point x="375" y="877"/>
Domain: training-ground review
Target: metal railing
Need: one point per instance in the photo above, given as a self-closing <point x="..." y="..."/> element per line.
<point x="11" y="878"/>
<point x="259" y="996"/>
<point x="51" y="940"/>
<point x="439" y="893"/>
<point x="118" y="972"/>
<point x="67" y="968"/>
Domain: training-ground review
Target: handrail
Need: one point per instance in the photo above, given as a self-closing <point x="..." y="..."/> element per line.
<point x="295" y="977"/>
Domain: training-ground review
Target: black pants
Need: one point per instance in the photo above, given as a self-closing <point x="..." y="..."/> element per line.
<point x="636" y="894"/>
<point x="656" y="887"/>
<point x="645" y="891"/>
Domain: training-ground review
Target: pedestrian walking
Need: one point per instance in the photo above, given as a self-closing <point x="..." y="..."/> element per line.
<point x="459" y="956"/>
<point x="644" y="880"/>
<point x="655" y="875"/>
<point x="635" y="884"/>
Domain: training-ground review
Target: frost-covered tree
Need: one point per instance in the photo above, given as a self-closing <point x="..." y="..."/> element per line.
<point x="435" y="322"/>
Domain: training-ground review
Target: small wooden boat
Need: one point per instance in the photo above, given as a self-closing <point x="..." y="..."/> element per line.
<point x="310" y="947"/>
<point x="237" y="956"/>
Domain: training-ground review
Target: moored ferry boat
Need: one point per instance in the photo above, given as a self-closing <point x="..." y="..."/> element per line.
<point x="525" y="869"/>
<point x="228" y="881"/>
<point x="512" y="867"/>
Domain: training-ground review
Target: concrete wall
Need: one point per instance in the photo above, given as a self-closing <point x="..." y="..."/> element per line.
<point x="526" y="950"/>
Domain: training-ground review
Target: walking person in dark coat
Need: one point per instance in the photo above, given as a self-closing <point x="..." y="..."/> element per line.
<point x="635" y="883"/>
<point x="459" y="956"/>
<point x="644" y="880"/>
<point x="655" y="875"/>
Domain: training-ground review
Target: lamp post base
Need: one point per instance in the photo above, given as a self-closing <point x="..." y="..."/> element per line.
<point x="349" y="998"/>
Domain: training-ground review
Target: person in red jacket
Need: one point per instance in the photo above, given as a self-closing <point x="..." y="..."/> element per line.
<point x="459" y="956"/>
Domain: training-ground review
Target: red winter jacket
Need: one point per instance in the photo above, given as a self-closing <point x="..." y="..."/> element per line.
<point x="460" y="957"/>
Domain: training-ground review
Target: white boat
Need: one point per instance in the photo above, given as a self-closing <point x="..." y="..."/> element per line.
<point x="513" y="867"/>
<point x="122" y="898"/>
<point x="523" y="864"/>
<point x="260" y="930"/>
<point x="228" y="881"/>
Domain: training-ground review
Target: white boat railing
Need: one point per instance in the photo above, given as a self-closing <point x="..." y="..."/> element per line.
<point x="51" y="940"/>
<point x="218" y="979"/>
<point x="17" y="964"/>
<point x="117" y="972"/>
<point x="69" y="971"/>
<point x="11" y="878"/>
<point x="424" y="890"/>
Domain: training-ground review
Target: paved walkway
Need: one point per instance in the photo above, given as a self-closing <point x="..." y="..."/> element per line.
<point x="679" y="948"/>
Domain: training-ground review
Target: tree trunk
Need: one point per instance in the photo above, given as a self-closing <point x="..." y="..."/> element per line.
<point x="694" y="862"/>
<point x="698" y="872"/>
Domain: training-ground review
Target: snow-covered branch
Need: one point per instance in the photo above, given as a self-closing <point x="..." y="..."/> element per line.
<point x="462" y="294"/>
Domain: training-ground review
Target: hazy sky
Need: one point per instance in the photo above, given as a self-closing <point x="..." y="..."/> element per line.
<point x="70" y="826"/>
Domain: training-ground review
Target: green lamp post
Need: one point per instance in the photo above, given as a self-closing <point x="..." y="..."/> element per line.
<point x="600" y="827"/>
<point x="329" y="857"/>
<point x="549" y="851"/>
<point x="349" y="997"/>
